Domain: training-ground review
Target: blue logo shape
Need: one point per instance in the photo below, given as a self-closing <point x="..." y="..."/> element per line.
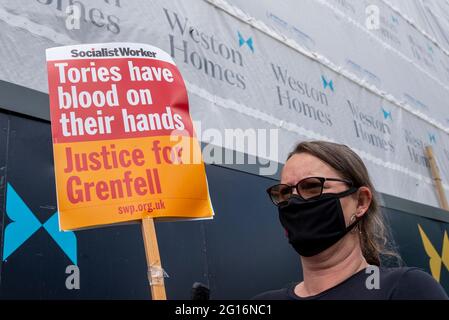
<point x="326" y="83"/>
<point x="432" y="138"/>
<point x="65" y="240"/>
<point x="249" y="41"/>
<point x="394" y="19"/>
<point x="387" y="114"/>
<point x="24" y="224"/>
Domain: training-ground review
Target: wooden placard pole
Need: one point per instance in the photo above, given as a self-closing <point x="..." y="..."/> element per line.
<point x="155" y="271"/>
<point x="437" y="178"/>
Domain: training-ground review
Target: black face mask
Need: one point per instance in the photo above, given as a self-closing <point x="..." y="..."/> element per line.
<point x="316" y="224"/>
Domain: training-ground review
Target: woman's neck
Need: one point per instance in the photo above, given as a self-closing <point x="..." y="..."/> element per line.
<point x="331" y="267"/>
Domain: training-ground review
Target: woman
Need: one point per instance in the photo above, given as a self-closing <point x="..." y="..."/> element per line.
<point x="328" y="208"/>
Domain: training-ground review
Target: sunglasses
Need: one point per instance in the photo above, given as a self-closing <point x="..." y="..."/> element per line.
<point x="308" y="188"/>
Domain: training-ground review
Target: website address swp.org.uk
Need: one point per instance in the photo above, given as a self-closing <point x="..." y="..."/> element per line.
<point x="148" y="207"/>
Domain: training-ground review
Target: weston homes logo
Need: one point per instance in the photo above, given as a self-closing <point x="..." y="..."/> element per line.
<point x="248" y="41"/>
<point x="217" y="60"/>
<point x="416" y="147"/>
<point x="24" y="224"/>
<point x="327" y="83"/>
<point x="387" y="114"/>
<point x="302" y="97"/>
<point x="373" y="129"/>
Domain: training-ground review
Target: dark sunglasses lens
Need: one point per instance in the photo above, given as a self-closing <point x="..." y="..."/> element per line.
<point x="280" y="193"/>
<point x="310" y="188"/>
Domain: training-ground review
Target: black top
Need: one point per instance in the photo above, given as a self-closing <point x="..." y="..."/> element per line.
<point x="395" y="284"/>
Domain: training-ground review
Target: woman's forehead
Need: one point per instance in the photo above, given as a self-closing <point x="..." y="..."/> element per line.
<point x="304" y="165"/>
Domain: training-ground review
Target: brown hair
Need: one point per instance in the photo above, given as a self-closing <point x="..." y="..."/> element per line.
<point x="375" y="237"/>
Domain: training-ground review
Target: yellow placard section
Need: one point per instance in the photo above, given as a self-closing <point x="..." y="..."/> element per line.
<point x="111" y="181"/>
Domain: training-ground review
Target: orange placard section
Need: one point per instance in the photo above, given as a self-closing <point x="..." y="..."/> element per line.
<point x="105" y="182"/>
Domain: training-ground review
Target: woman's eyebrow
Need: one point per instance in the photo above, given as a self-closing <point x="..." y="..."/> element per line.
<point x="289" y="182"/>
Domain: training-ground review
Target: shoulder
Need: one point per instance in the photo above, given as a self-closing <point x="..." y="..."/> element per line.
<point x="281" y="294"/>
<point x="412" y="283"/>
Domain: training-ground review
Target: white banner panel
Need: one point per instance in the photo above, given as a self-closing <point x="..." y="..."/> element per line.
<point x="309" y="68"/>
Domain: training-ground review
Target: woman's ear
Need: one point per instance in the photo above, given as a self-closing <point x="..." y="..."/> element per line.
<point x="365" y="196"/>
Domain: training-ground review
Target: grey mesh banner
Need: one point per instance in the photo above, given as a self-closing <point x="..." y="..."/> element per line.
<point x="312" y="69"/>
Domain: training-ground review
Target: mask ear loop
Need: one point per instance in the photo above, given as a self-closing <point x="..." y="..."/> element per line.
<point x="354" y="223"/>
